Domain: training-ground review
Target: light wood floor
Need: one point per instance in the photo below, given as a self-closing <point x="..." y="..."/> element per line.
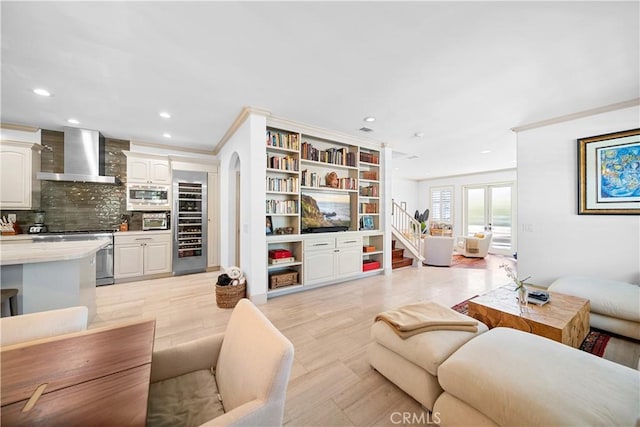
<point x="331" y="382"/>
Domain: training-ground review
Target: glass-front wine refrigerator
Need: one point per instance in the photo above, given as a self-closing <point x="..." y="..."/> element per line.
<point x="189" y="222"/>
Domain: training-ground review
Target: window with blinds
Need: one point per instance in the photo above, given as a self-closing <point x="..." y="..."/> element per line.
<point x="442" y="205"/>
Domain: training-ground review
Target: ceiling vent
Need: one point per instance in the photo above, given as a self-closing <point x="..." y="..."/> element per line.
<point x="366" y="129"/>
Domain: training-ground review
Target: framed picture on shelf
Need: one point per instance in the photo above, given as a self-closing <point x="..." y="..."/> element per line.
<point x="609" y="174"/>
<point x="269" y="226"/>
<point x="367" y="222"/>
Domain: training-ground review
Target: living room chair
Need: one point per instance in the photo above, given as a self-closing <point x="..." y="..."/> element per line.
<point x="437" y="250"/>
<point x="44" y="324"/>
<point x="237" y="378"/>
<point x="476" y="246"/>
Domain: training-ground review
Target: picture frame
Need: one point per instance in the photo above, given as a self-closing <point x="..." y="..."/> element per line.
<point x="269" y="226"/>
<point x="367" y="222"/>
<point x="609" y="174"/>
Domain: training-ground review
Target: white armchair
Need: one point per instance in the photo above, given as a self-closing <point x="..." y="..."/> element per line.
<point x="437" y="250"/>
<point x="236" y="378"/>
<point x="43" y="324"/>
<point x="476" y="246"/>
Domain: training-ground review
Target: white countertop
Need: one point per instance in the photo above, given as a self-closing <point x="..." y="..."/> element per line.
<point x="16" y="238"/>
<point x="139" y="232"/>
<point x="29" y="253"/>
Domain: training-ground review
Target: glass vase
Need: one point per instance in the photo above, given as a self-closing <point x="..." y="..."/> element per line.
<point x="522" y="295"/>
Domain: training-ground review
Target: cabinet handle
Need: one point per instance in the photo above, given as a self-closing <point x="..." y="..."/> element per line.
<point x="320" y="244"/>
<point x="350" y="241"/>
<point x="144" y="238"/>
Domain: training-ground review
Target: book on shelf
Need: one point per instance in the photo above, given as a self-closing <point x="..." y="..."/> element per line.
<point x="282" y="140"/>
<point x="369" y="175"/>
<point x="281" y="206"/>
<point x="370" y="191"/>
<point x="366" y="208"/>
<point x="286" y="163"/>
<point x="335" y="156"/>
<point x="284" y="185"/>
<point x="369" y="157"/>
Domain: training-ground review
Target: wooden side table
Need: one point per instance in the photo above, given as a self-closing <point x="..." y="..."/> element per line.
<point x="564" y="318"/>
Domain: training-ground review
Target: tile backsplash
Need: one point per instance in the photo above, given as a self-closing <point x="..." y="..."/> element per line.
<point x="79" y="205"/>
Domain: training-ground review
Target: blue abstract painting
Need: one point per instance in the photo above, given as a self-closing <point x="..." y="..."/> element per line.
<point x="619" y="173"/>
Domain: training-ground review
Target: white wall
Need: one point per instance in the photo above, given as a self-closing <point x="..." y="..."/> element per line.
<point x="561" y="242"/>
<point x="458" y="182"/>
<point x="248" y="143"/>
<point x="406" y="190"/>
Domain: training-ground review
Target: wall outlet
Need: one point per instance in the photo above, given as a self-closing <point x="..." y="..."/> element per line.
<point x="11" y="217"/>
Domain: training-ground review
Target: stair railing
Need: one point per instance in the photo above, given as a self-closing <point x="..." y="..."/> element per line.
<point x="406" y="227"/>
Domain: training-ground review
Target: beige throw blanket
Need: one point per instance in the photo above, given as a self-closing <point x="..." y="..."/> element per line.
<point x="425" y="317"/>
<point x="472" y="246"/>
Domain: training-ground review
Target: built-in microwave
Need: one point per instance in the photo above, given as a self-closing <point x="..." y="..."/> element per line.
<point x="141" y="197"/>
<point x="155" y="221"/>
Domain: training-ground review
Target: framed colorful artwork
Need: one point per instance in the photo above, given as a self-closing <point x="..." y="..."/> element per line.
<point x="609" y="174"/>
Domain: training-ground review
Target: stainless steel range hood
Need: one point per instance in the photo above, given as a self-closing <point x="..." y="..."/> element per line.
<point x="84" y="157"/>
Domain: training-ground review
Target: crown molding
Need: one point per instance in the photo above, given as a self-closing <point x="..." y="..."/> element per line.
<point x="18" y="127"/>
<point x="578" y="115"/>
<point x="171" y="147"/>
<point x="239" y="120"/>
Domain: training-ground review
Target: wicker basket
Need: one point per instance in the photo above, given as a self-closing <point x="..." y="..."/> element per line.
<point x="283" y="278"/>
<point x="228" y="296"/>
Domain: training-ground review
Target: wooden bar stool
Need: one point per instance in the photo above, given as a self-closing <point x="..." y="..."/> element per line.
<point x="12" y="296"/>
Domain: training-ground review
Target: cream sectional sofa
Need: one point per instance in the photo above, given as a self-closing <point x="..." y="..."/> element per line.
<point x="505" y="377"/>
<point x="615" y="306"/>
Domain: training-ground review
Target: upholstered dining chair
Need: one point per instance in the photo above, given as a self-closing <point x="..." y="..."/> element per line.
<point x="43" y="324"/>
<point x="476" y="246"/>
<point x="235" y="378"/>
<point x="437" y="250"/>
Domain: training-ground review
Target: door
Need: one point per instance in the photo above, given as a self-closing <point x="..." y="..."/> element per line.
<point x="128" y="261"/>
<point x="157" y="256"/>
<point x="491" y="208"/>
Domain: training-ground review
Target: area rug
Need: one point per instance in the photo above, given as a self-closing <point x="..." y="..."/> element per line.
<point x="599" y="343"/>
<point x="460" y="261"/>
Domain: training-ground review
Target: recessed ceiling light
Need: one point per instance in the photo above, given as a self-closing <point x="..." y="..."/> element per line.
<point x="166" y="135"/>
<point x="73" y="121"/>
<point x="165" y="115"/>
<point x="418" y="134"/>
<point x="41" y="92"/>
<point x="485" y="151"/>
<point x="369" y="119"/>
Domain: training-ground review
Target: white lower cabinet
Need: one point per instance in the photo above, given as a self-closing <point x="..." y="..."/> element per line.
<point x="331" y="258"/>
<point x="141" y="254"/>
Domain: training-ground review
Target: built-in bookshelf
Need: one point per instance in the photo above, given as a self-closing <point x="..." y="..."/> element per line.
<point x="301" y="167"/>
<point x="369" y="189"/>
<point x="282" y="203"/>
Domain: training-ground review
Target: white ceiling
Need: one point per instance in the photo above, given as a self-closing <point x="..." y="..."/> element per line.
<point x="463" y="73"/>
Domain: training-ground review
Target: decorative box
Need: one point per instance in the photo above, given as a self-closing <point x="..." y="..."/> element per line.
<point x="275" y="261"/>
<point x="368" y="249"/>
<point x="370" y="264"/>
<point x="279" y="253"/>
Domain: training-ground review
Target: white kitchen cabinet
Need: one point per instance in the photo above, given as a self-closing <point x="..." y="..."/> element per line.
<point x="19" y="164"/>
<point x="147" y="168"/>
<point x="141" y="254"/>
<point x="329" y="258"/>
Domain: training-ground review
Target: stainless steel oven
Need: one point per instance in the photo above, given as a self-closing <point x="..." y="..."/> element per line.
<point x="104" y="257"/>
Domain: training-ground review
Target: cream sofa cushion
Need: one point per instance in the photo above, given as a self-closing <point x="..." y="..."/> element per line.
<point x="427" y="350"/>
<point x="185" y="401"/>
<point x="608" y="297"/>
<point x="517" y="378"/>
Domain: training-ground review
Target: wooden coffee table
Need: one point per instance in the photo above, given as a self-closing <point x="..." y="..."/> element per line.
<point x="564" y="318"/>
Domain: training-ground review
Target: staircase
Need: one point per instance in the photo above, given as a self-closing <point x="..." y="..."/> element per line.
<point x="397" y="257"/>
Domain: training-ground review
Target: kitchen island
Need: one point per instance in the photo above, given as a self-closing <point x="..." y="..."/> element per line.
<point x="51" y="275"/>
